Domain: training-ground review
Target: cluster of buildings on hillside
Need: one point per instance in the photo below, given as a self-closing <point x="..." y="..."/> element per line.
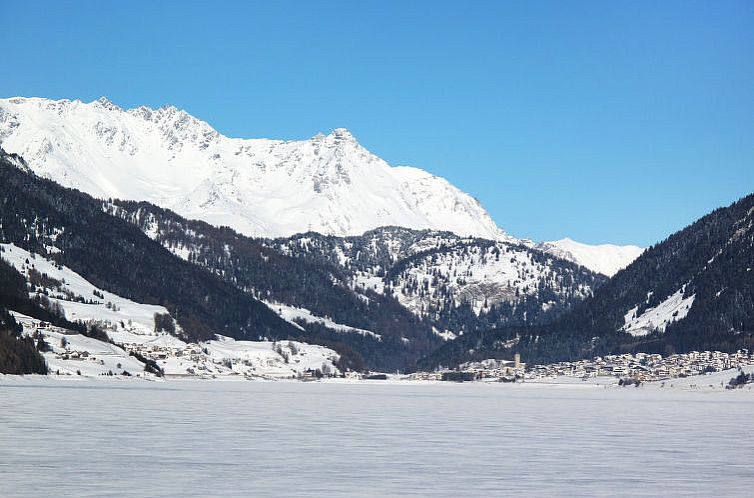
<point x="639" y="367"/>
<point x="154" y="351"/>
<point x="69" y="353"/>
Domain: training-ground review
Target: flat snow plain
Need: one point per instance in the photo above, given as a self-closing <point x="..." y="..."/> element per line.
<point x="102" y="437"/>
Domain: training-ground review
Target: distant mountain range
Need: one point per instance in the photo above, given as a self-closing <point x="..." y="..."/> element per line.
<point x="328" y="184"/>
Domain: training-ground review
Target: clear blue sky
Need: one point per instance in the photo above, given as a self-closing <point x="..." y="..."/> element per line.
<point x="603" y="121"/>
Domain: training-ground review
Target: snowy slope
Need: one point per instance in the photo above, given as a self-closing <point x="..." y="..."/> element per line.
<point x="329" y="183"/>
<point x="282" y="359"/>
<point x="130" y="325"/>
<point x="109" y="309"/>
<point x="74" y="354"/>
<point x="483" y="276"/>
<point x="431" y="273"/>
<point x="479" y="276"/>
<point x="657" y="318"/>
<point x="293" y="314"/>
<point x="226" y="358"/>
<point x="607" y="259"/>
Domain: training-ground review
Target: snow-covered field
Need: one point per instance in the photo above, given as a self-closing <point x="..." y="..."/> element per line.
<point x="226" y="358"/>
<point x="282" y="359"/>
<point x="74" y="354"/>
<point x="379" y="439"/>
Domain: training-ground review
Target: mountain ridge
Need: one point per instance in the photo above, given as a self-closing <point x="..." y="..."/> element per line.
<point x="259" y="187"/>
<point x="392" y="281"/>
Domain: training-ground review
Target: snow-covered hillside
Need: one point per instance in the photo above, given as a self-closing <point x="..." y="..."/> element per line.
<point x="481" y="276"/>
<point x="69" y="353"/>
<point x="607" y="259"/>
<point x="434" y="274"/>
<point x="656" y="319"/>
<point x="77" y="297"/>
<point x="294" y="315"/>
<point x="130" y="327"/>
<point x="329" y="183"/>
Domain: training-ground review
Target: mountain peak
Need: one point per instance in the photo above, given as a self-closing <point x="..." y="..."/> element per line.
<point x="106" y="103"/>
<point x="607" y="259"/>
<point x="168" y="109"/>
<point x="329" y="184"/>
<point x="342" y="134"/>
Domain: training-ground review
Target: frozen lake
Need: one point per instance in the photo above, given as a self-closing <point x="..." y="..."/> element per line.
<point x="192" y="438"/>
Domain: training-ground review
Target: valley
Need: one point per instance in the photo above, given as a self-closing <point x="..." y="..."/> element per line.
<point x="150" y="273"/>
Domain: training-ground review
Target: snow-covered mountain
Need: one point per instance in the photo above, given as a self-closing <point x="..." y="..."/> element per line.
<point x="328" y="184"/>
<point x="607" y="259"/>
<point x="270" y="188"/>
<point x="455" y="283"/>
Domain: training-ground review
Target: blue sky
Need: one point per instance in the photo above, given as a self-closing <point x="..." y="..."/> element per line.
<point x="603" y="121"/>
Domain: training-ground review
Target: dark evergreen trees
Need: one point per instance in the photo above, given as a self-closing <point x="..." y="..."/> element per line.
<point x="18" y="355"/>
